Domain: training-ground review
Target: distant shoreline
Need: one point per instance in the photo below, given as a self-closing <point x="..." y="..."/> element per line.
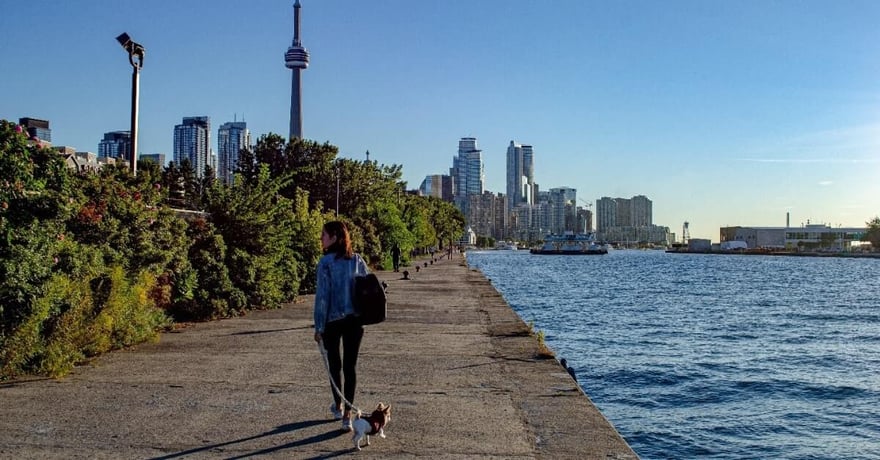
<point x="852" y="255"/>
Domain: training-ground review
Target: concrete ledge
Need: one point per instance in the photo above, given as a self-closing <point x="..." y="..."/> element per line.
<point x="457" y="365"/>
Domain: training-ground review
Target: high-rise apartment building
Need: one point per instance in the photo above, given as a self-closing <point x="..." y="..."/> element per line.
<point x="562" y="210"/>
<point x="628" y="220"/>
<point x="232" y="137"/>
<point x="37" y="128"/>
<point x="624" y="212"/>
<point x="521" y="187"/>
<point x="483" y="214"/>
<point x="606" y="214"/>
<point x="116" y="144"/>
<point x="641" y="211"/>
<point x="192" y="142"/>
<point x="467" y="172"/>
<point x="296" y="59"/>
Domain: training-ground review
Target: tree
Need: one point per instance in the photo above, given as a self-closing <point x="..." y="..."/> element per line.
<point x="258" y="226"/>
<point x="873" y="233"/>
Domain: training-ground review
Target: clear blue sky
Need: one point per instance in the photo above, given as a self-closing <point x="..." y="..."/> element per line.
<point x="722" y="113"/>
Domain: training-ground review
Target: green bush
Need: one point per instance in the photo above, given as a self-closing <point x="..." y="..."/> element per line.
<point x="69" y="323"/>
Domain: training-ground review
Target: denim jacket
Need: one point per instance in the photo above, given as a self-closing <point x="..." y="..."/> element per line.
<point x="335" y="286"/>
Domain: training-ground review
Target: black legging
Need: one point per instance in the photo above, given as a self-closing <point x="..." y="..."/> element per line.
<point x="350" y="331"/>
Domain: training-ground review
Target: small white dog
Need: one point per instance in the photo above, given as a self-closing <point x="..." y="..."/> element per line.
<point x="374" y="424"/>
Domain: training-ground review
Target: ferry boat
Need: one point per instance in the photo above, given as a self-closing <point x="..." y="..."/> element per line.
<point x="570" y="243"/>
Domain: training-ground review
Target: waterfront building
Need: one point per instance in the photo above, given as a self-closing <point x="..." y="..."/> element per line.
<point x="521" y="187"/>
<point x="192" y="143"/>
<point x="37" y="128"/>
<point x="115" y="144"/>
<point x="529" y="223"/>
<point x="809" y="237"/>
<point x="606" y="214"/>
<point x="641" y="211"/>
<point x="562" y="210"/>
<point x="439" y="186"/>
<point x="296" y="59"/>
<point x="467" y="172"/>
<point x="629" y="221"/>
<point x="486" y="214"/>
<point x="629" y="236"/>
<point x="232" y="137"/>
<point x="624" y="213"/>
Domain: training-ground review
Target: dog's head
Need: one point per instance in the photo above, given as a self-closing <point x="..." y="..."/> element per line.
<point x="382" y="413"/>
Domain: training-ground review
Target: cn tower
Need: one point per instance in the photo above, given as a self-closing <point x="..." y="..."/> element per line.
<point x="296" y="59"/>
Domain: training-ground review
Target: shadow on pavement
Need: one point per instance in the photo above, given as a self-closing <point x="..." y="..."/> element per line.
<point x="268" y="331"/>
<point x="288" y="428"/>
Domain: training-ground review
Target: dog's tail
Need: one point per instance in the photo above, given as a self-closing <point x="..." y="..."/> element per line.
<point x="358" y="414"/>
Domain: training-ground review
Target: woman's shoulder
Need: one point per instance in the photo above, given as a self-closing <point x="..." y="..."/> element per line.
<point x="332" y="258"/>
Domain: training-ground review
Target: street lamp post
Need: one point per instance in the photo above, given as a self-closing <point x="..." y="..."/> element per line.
<point x="136" y="58"/>
<point x="337" y="187"/>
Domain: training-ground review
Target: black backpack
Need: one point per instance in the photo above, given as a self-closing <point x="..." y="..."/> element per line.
<point x="369" y="299"/>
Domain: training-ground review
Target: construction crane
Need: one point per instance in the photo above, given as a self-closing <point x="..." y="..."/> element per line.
<point x="587" y="204"/>
<point x="685" y="234"/>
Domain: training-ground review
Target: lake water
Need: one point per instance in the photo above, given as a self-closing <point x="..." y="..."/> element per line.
<point x="712" y="356"/>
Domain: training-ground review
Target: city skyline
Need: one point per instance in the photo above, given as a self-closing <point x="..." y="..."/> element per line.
<point x="724" y="114"/>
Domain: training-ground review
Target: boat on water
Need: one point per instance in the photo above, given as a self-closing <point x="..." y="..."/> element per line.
<point x="507" y="246"/>
<point x="570" y="243"/>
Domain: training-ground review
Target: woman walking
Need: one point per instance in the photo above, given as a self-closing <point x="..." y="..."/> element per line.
<point x="335" y="319"/>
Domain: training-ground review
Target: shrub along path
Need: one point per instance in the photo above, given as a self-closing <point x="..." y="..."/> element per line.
<point x="457" y="365"/>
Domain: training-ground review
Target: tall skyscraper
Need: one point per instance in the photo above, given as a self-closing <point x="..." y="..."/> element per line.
<point x="520" y="175"/>
<point x="37" y="128"/>
<point x="116" y="144"/>
<point x="296" y="59"/>
<point x="231" y="138"/>
<point x="192" y="142"/>
<point x="467" y="172"/>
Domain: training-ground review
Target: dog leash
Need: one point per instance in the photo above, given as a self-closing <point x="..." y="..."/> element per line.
<point x="330" y="377"/>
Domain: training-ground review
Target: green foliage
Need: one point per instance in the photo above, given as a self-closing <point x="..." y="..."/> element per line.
<point x="447" y="220"/>
<point x="873" y="233"/>
<point x="485" y="241"/>
<point x="95" y="262"/>
<point x="310" y="166"/>
<point x="75" y="318"/>
<point x="257" y="224"/>
<point x="305" y="244"/>
<point x="210" y="293"/>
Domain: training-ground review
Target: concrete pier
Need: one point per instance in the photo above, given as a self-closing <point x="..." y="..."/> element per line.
<point x="462" y="373"/>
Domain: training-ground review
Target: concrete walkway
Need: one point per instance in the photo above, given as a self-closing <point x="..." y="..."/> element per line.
<point x="455" y="362"/>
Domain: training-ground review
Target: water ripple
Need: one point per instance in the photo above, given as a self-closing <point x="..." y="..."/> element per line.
<point x="702" y="356"/>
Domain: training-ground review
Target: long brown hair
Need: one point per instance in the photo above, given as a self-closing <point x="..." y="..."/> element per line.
<point x="342" y="246"/>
